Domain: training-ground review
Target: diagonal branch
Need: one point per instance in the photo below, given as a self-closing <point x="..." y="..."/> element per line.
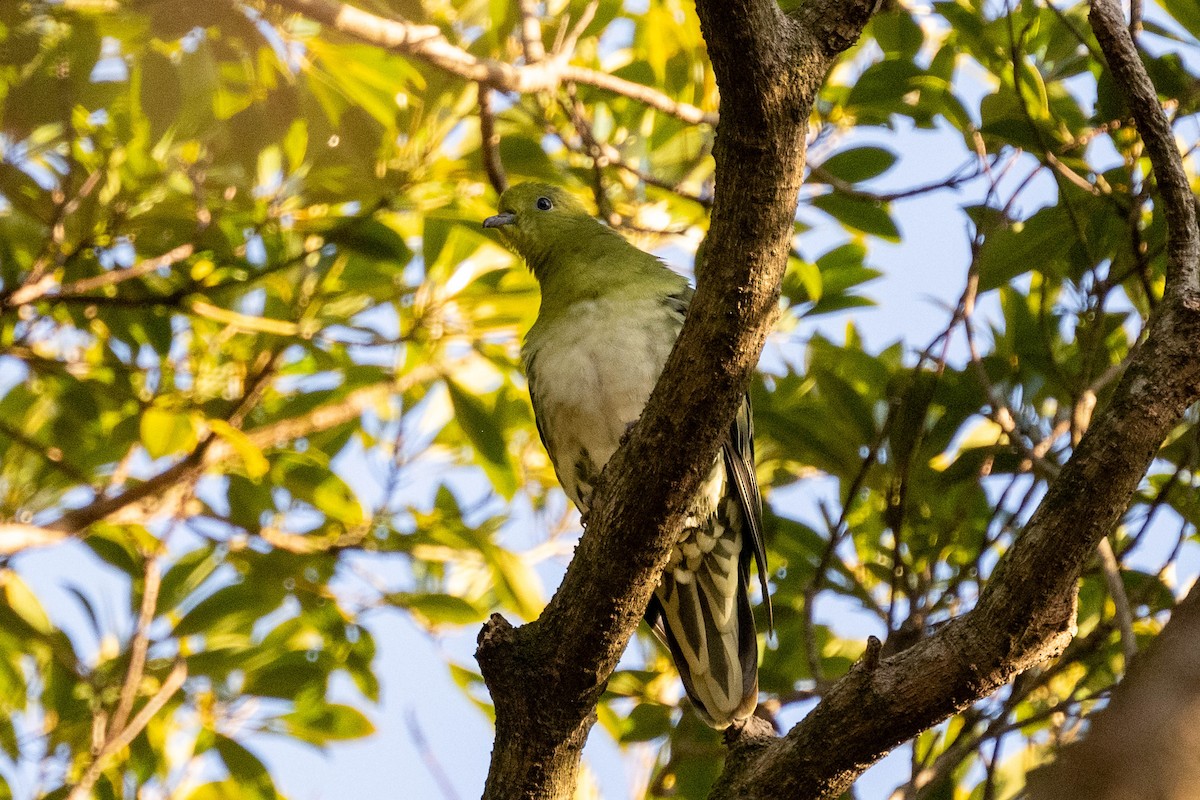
<point x="48" y="286"/>
<point x="546" y="677"/>
<point x="138" y="647"/>
<point x="120" y="739"/>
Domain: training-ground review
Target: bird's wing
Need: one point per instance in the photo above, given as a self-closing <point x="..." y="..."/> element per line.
<point x="701" y="608"/>
<point x="530" y="372"/>
<point x="738" y="450"/>
<point x="706" y="621"/>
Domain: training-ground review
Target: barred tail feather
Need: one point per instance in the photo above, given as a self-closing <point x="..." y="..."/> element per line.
<point x="707" y="624"/>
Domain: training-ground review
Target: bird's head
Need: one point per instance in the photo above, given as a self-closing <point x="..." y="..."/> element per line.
<point x="538" y="220"/>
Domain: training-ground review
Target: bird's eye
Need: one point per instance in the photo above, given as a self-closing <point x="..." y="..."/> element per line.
<point x="544" y="204"/>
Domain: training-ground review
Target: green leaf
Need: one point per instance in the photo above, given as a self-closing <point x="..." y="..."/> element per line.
<point x="9" y="745"/>
<point x="864" y="215"/>
<point x="859" y="163"/>
<point x="21" y="599"/>
<point x="326" y="492"/>
<point x="438" y="609"/>
<point x="161" y="93"/>
<point x="246" y="770"/>
<point x="481" y="427"/>
<point x="647" y="721"/>
<point x="231" y="608"/>
<point x="517" y="583"/>
<point x="897" y="32"/>
<point x="185" y="576"/>
<point x="289" y="675"/>
<point x="525" y="157"/>
<point x="1186" y="13"/>
<point x="319" y="723"/>
<point x="371" y="238"/>
<point x="1040" y="242"/>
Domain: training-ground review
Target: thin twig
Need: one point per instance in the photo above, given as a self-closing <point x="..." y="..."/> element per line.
<point x="429" y="44"/>
<point x="1111" y="569"/>
<point x="429" y="758"/>
<point x="138" y="647"/>
<point x="490" y="141"/>
<point x="531" y="32"/>
<point x="115" y="276"/>
<point x="571" y="38"/>
<point x="964" y="174"/>
<point x="83" y="789"/>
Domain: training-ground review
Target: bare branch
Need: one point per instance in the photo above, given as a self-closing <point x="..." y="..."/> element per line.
<point x="138" y="646"/>
<point x="18" y="536"/>
<point x="48" y="285"/>
<point x="122" y="739"/>
<point x="1116" y="590"/>
<point x="139" y="269"/>
<point x="489" y="144"/>
<point x="531" y="32"/>
<point x="427" y="43"/>
<point x="571" y="37"/>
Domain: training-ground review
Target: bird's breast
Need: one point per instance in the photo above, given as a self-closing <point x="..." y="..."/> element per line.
<point x="591" y="372"/>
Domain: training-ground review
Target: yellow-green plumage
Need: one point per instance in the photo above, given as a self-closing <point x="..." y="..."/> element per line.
<point x="609" y="316"/>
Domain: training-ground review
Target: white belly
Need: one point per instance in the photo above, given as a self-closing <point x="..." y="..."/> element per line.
<point x="594" y="369"/>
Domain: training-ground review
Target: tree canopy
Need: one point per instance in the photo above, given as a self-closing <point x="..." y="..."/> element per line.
<point x="258" y="360"/>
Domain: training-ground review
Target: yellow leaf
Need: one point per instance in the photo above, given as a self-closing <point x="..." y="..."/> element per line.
<point x="166" y="432"/>
<point x="252" y="457"/>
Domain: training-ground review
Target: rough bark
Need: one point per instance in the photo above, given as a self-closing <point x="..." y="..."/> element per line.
<point x="545" y="677"/>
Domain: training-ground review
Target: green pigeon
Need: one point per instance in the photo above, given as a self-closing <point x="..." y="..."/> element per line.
<point x="609" y="316"/>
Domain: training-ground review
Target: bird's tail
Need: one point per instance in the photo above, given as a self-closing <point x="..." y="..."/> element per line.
<point x="705" y="619"/>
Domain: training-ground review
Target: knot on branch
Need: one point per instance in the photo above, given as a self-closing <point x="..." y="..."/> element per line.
<point x="835" y="26"/>
<point x="495" y="642"/>
<point x="1053" y="630"/>
<point x="750" y="734"/>
<point x="1189" y="302"/>
<point x="869" y="661"/>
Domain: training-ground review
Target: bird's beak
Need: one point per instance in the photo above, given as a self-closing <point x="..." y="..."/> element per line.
<point x="499" y="220"/>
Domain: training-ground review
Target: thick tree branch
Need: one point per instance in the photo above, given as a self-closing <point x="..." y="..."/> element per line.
<point x="1027" y="610"/>
<point x="546" y="677"/>
<point x="426" y="42"/>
